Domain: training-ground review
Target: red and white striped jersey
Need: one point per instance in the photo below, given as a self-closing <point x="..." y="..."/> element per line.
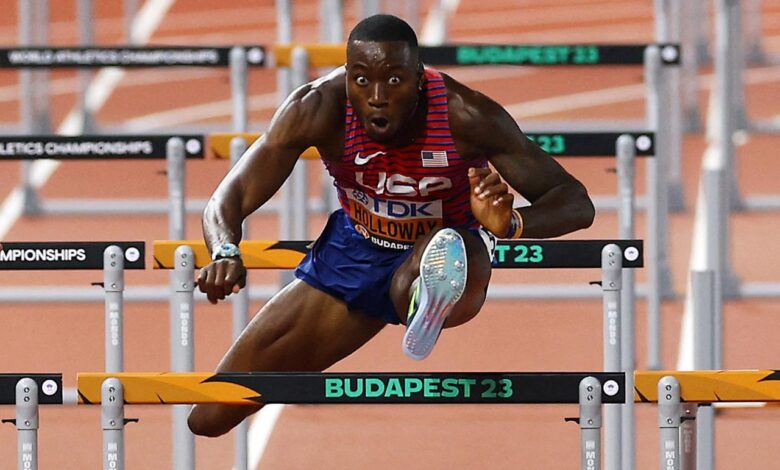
<point x="394" y="195"/>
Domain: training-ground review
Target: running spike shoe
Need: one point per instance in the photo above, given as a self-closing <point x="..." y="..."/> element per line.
<point x="440" y="285"/>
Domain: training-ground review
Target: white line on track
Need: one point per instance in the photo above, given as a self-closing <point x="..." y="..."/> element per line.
<point x="698" y="262"/>
<point x="519" y="18"/>
<point x="199" y="112"/>
<point x="231" y="18"/>
<point x="67" y="86"/>
<point x="260" y="429"/>
<point x="528" y="109"/>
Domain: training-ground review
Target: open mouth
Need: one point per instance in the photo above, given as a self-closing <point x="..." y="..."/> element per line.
<point x="379" y="123"/>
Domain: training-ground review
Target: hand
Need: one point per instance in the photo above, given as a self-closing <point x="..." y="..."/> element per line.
<point x="491" y="201"/>
<point x="221" y="278"/>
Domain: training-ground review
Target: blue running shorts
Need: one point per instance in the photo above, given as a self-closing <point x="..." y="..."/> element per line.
<point x="345" y="265"/>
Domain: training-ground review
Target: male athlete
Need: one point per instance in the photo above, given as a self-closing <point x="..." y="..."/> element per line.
<point x="408" y="148"/>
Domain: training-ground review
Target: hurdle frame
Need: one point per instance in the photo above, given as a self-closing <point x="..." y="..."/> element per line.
<point x="584" y="388"/>
<point x="106" y="256"/>
<point x="238" y="62"/>
<point x="188" y="255"/>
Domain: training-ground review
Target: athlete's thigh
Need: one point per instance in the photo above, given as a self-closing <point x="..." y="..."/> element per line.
<point x="300" y="329"/>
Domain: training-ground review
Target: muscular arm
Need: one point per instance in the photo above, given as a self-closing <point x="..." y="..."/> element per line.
<point x="305" y="119"/>
<point x="559" y="202"/>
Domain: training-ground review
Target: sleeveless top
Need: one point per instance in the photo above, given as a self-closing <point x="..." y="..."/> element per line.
<point x="394" y="195"/>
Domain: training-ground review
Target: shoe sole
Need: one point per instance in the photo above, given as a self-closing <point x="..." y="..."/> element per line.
<point x="443" y="272"/>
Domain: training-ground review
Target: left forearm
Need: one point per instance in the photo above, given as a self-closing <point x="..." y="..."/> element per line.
<point x="561" y="210"/>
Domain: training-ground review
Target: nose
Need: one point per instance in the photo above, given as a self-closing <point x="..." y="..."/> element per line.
<point x="378" y="97"/>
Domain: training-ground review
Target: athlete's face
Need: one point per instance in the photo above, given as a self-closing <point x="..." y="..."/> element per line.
<point x="383" y="84"/>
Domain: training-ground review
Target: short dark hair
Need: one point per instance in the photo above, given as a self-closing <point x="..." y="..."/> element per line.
<point x="379" y="28"/>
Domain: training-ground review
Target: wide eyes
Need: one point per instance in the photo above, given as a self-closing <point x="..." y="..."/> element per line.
<point x="362" y="80"/>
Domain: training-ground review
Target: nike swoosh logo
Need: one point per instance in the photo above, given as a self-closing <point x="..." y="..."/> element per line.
<point x="363" y="160"/>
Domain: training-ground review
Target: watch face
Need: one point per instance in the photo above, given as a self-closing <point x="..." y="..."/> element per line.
<point x="226" y="250"/>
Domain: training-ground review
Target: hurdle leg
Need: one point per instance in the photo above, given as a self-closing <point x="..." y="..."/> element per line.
<point x="669" y="422"/>
<point x="688" y="437"/>
<point x="27" y="424"/>
<point x="113" y="285"/>
<point x="626" y="154"/>
<point x="175" y="156"/>
<point x="240" y="311"/>
<point x="590" y="423"/>
<point x="112" y="419"/>
<point x="182" y="354"/>
<point x="611" y="282"/>
<point x="689" y="68"/>
<point x="181" y="307"/>
<point x="706" y="332"/>
<point x="705" y="436"/>
<point x="656" y="198"/>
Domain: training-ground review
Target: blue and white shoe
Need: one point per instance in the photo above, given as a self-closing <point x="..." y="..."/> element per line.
<point x="441" y="283"/>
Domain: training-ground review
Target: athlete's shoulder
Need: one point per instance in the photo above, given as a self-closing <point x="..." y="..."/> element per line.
<point x="467" y="103"/>
<point x="326" y="94"/>
<point x="314" y="110"/>
<point x="472" y="116"/>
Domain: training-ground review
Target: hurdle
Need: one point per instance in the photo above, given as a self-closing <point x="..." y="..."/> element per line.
<point x="588" y="389"/>
<point x="182" y="256"/>
<point x="512" y="254"/>
<point x="111" y="257"/>
<point x="557" y="144"/>
<point x="667" y="389"/>
<point x="238" y="58"/>
<point x="700" y="389"/>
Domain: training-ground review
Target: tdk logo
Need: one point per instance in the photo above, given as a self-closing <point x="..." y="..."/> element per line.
<point x="31" y="255"/>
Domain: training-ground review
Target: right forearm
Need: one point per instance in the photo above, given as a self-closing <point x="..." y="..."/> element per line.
<point x="221" y="222"/>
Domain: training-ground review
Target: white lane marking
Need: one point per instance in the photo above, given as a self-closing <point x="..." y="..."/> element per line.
<point x="520" y="17"/>
<point x="697" y="263"/>
<point x="199" y="112"/>
<point x="250" y="18"/>
<point x="66" y="86"/>
<point x="535" y="108"/>
<point x="434" y="30"/>
<point x="713" y="159"/>
<point x="10" y="211"/>
<point x="260" y="429"/>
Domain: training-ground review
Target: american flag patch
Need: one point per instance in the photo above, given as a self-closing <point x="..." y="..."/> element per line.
<point x="434" y="158"/>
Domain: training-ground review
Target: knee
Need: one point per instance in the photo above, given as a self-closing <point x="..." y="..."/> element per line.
<point x="201" y="424"/>
<point x="478" y="259"/>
